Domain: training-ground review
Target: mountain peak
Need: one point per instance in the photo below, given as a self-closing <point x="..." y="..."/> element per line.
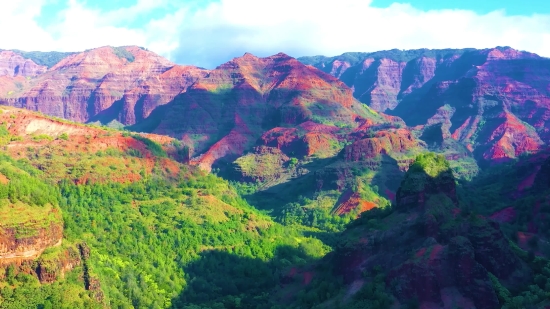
<point x="248" y="55"/>
<point x="429" y="175"/>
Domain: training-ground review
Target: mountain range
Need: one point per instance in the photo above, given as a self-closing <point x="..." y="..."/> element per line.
<point x="394" y="179"/>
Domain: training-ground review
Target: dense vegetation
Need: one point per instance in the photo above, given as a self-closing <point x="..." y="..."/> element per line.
<point x="395" y="54"/>
<point x="122" y="53"/>
<point x="190" y="240"/>
<point x="159" y="243"/>
<point x="48" y="59"/>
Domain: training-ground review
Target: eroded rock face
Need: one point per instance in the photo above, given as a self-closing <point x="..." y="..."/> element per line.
<point x="383" y="142"/>
<point x="106" y="83"/>
<point x="18" y="244"/>
<point x="50" y="271"/>
<point x="495" y="101"/>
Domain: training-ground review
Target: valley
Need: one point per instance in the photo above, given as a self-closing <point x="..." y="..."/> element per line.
<point x="395" y="179"/>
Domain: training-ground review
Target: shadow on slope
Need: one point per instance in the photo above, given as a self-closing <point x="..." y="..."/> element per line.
<point x="222" y="279"/>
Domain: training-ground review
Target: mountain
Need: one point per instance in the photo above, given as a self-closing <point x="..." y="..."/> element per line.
<point x="13" y="65"/>
<point x="249" y="98"/>
<point x="461" y="98"/>
<point x="101" y="84"/>
<point x="494" y="101"/>
<point x="251" y="119"/>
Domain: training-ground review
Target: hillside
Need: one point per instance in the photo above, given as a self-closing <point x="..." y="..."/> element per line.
<point x="177" y="237"/>
<point x="94" y="218"/>
<point x="429" y="250"/>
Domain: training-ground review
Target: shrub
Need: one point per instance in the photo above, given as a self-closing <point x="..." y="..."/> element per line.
<point x="153" y="147"/>
<point x="42" y="137"/>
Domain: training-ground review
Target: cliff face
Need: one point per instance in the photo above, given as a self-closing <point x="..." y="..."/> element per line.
<point x="30" y="222"/>
<point x="495" y="101"/>
<point x="123" y="83"/>
<point x="381" y="143"/>
<point x="21" y="242"/>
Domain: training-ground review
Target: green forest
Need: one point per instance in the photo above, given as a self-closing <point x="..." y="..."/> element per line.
<point x="194" y="242"/>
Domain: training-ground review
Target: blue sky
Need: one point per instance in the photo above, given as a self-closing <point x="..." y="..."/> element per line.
<point x="208" y="33"/>
<point x="512" y="7"/>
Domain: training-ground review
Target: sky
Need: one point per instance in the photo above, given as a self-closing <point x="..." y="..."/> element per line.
<point x="208" y="33"/>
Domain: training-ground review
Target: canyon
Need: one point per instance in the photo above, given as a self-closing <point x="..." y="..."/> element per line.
<point x="330" y="152"/>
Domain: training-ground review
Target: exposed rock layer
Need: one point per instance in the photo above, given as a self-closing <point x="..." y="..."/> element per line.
<point x="496" y="101"/>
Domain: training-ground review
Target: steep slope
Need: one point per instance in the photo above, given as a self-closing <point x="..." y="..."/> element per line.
<point x="227" y="111"/>
<point x="516" y="195"/>
<point x="87" y="215"/>
<point x="30" y="220"/>
<point x="494" y="101"/>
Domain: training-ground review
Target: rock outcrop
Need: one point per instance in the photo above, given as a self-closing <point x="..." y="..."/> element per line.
<point x="381" y="143"/>
<point x="429" y="250"/>
<point x="26" y="238"/>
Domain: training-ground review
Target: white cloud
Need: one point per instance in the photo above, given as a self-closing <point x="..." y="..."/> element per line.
<point x="213" y="33"/>
<point x="299" y="27"/>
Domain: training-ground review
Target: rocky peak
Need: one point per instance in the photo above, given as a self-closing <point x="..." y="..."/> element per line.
<point x="428" y="176"/>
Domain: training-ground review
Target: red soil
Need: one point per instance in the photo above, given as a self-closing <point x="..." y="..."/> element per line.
<point x="420" y="252"/>
<point x="26" y="125"/>
<point x="353" y="202"/>
<point x="311" y="126"/>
